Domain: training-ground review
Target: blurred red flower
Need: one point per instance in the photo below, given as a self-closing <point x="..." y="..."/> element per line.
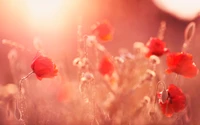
<point x="43" y="67"/>
<point x="103" y="31"/>
<point x="106" y="66"/>
<point x="156" y="47"/>
<point x="175" y="102"/>
<point x="181" y="63"/>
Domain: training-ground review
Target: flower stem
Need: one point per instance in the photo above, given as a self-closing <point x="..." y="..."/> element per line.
<point x="19" y="100"/>
<point x="22" y="79"/>
<point x="177" y="80"/>
<point x="109" y="88"/>
<point x="162" y="29"/>
<point x="79" y="36"/>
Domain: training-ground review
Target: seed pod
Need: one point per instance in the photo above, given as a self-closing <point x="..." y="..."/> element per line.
<point x="164" y="95"/>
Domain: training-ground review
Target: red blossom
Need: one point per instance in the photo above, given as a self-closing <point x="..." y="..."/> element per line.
<point x="175" y="102"/>
<point x="106" y="66"/>
<point x="103" y="31"/>
<point x="181" y="63"/>
<point x="156" y="47"/>
<point x="43" y="67"/>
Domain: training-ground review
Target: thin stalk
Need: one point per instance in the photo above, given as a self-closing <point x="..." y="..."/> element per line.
<point x="162" y="29"/>
<point x="19" y="100"/>
<point x="22" y="79"/>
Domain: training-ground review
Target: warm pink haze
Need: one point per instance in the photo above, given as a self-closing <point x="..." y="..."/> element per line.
<point x="99" y="62"/>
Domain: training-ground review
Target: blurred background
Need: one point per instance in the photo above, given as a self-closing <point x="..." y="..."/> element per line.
<point x="55" y="23"/>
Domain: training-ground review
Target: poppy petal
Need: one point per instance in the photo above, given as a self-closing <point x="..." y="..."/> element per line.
<point x="181" y="63"/>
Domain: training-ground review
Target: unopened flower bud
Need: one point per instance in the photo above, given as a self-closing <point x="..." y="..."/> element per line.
<point x="87" y="77"/>
<point x="146" y="100"/>
<point x="84" y="63"/>
<point x="76" y="61"/>
<point x="138" y="45"/>
<point x="149" y="75"/>
<point x="90" y="40"/>
<point x="124" y="53"/>
<point x="119" y="60"/>
<point x="81" y="63"/>
<point x="12" y="55"/>
<point x="100" y="47"/>
<point x="154" y="59"/>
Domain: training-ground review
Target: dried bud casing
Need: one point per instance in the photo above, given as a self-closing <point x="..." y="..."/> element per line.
<point x="87" y="77"/>
<point x="155" y="60"/>
<point x="149" y="75"/>
<point x="81" y="63"/>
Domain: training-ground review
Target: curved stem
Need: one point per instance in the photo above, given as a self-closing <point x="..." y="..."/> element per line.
<point x="22" y="79"/>
<point x="20" y="97"/>
<point x="188" y="35"/>
<point x="161" y="83"/>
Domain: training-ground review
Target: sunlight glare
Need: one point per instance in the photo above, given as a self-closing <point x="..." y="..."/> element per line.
<point x="44" y="9"/>
<point x="183" y="9"/>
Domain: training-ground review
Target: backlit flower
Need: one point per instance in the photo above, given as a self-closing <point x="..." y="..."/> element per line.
<point x="106" y="66"/>
<point x="43" y="67"/>
<point x="156" y="47"/>
<point x="182" y="63"/>
<point x="175" y="102"/>
<point x="103" y="31"/>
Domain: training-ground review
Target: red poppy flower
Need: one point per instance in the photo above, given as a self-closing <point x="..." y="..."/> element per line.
<point x="106" y="66"/>
<point x="181" y="63"/>
<point x="175" y="102"/>
<point x="156" y="47"/>
<point x="103" y="31"/>
<point x="43" y="67"/>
